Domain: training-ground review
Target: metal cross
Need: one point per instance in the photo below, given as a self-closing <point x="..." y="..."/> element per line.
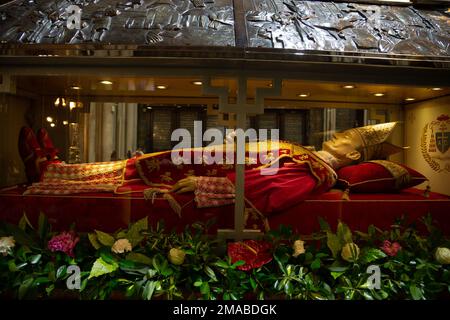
<point x="241" y="108"/>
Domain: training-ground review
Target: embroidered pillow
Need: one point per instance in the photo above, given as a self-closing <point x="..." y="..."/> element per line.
<point x="378" y="176"/>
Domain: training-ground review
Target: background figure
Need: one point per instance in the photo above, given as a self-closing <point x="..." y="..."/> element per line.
<point x="114" y="156"/>
<point x="139" y="152"/>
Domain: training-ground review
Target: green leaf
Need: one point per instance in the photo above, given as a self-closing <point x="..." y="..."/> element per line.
<point x="324" y="226"/>
<point x="372" y="254"/>
<point x="61" y="272"/>
<point x="344" y="234"/>
<point x="336" y="275"/>
<point x="42" y="226"/>
<point x="35" y="258"/>
<point x="204" y="288"/>
<point x="41" y="280"/>
<point x="25" y="286"/>
<point x="315" y="264"/>
<point x="107" y="256"/>
<point x="333" y="244"/>
<point x="338" y="268"/>
<point x="149" y="289"/>
<point x="416" y="293"/>
<point x="134" y="233"/>
<point x="165" y="269"/>
<point x="100" y="267"/>
<point x="93" y="240"/>
<point x="151" y="273"/>
<point x="308" y="256"/>
<point x="222" y="264"/>
<point x="133" y="267"/>
<point x="104" y="238"/>
<point x="22" y="253"/>
<point x="12" y="266"/>
<point x="139" y="257"/>
<point x="50" y="289"/>
<point x="24" y="222"/>
<point x="253" y="283"/>
<point x="210" y="273"/>
<point x="237" y="264"/>
<point x="120" y="234"/>
<point x="198" y="283"/>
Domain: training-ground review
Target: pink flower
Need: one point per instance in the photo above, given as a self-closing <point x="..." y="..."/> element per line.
<point x="391" y="249"/>
<point x="64" y="242"/>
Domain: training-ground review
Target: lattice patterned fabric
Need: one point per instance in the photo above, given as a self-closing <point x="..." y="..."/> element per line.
<point x="214" y="192"/>
<point x="60" y="179"/>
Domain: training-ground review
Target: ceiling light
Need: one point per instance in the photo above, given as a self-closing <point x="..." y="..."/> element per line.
<point x="49" y="119"/>
<point x="270" y="85"/>
<point x="75" y="88"/>
<point x="436" y="89"/>
<point x="149" y="108"/>
<point x="65" y="122"/>
<point x="60" y="101"/>
<point x="378" y="94"/>
<point x="410" y="99"/>
<point x="106" y="82"/>
<point x="52" y="125"/>
<point x="303" y="95"/>
<point x="72" y="105"/>
<point x="349" y="86"/>
<point x="197" y="83"/>
<point x="161" y="87"/>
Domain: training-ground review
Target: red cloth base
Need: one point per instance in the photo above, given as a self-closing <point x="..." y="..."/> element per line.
<point x="363" y="210"/>
<point x="109" y="212"/>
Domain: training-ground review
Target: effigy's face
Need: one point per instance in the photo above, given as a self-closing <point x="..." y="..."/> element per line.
<point x="342" y="145"/>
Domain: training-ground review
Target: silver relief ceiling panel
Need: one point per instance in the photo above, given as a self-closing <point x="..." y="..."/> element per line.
<point x="139" y="22"/>
<point x="351" y="27"/>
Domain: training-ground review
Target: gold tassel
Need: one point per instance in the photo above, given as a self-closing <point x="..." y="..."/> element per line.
<point x="173" y="203"/>
<point x="346" y="195"/>
<point x="151" y="193"/>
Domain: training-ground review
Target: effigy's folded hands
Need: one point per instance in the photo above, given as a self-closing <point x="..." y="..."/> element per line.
<point x="188" y="184"/>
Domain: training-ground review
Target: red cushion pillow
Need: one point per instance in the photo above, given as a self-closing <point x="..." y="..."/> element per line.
<point x="378" y="176"/>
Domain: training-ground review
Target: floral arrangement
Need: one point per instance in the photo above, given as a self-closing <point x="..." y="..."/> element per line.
<point x="145" y="262"/>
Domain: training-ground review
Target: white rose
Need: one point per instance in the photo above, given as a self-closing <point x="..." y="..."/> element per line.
<point x="298" y="248"/>
<point x="176" y="256"/>
<point x="6" y="244"/>
<point x="121" y="246"/>
<point x="443" y="255"/>
<point x="350" y="252"/>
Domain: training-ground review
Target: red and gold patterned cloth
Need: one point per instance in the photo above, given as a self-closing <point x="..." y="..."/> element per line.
<point x="60" y="178"/>
<point x="300" y="173"/>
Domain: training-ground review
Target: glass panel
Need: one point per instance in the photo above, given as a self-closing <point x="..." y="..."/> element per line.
<point x="162" y="129"/>
<point x="294" y="125"/>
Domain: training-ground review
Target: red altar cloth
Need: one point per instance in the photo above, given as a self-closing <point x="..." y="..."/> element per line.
<point x="109" y="212"/>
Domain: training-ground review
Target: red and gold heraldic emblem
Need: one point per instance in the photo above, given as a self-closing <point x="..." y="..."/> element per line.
<point x="435" y="143"/>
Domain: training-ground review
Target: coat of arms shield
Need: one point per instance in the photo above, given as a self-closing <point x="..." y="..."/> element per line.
<point x="443" y="141"/>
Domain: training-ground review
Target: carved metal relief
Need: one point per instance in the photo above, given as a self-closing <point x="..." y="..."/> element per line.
<point x="166" y="22"/>
<point x="319" y="25"/>
<point x="286" y="24"/>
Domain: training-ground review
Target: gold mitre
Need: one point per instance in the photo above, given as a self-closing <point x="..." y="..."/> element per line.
<point x="374" y="144"/>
